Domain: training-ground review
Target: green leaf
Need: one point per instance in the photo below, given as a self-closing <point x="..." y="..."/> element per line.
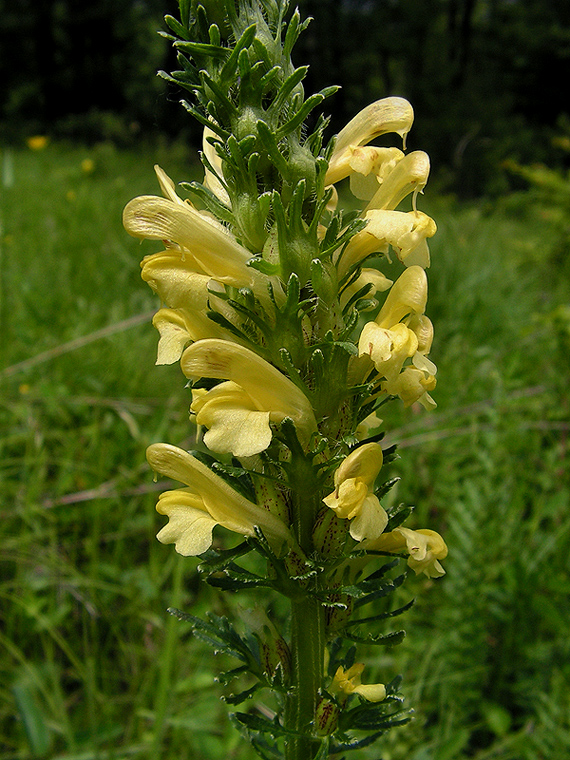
<point x="211" y="200"/>
<point x="179" y="29"/>
<point x="244" y="42"/>
<point x="233" y="577"/>
<point x="386" y="486"/>
<point x="237" y="699"/>
<point x="366" y="742"/>
<point x="184" y="8"/>
<point x="382" y="615"/>
<point x="215" y="560"/>
<point x="202" y="49"/>
<point x="368" y="721"/>
<point x="399" y="515"/>
<point x="263" y="266"/>
<point x="37" y="733"/>
<point x="257" y="723"/>
<point x="386" y="639"/>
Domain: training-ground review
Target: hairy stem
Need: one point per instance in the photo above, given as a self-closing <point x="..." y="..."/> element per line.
<point x="307" y="649"/>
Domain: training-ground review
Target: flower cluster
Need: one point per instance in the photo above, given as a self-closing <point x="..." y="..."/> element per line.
<point x="274" y="303"/>
<point x="205" y="269"/>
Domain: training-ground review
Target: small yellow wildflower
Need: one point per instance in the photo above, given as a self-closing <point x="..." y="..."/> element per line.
<point x="378" y="118"/>
<point x="88" y="166"/>
<point x="37" y="142"/>
<point x="401" y="332"/>
<point x="353" y="497"/>
<point x="196" y="237"/>
<point x="347" y="682"/>
<point x="425" y="547"/>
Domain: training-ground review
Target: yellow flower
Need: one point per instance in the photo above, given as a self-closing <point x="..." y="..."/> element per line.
<point x="369" y="168"/>
<point x="194" y="236"/>
<point x="401" y="331"/>
<point x="238" y="413"/>
<point x="37" y="142"/>
<point x="412" y="385"/>
<point x="406" y="232"/>
<point x="353" y="498"/>
<point x="185" y="292"/>
<point x="348" y="682"/>
<point x="425" y="547"/>
<point x="384" y="177"/>
<point x="378" y="118"/>
<point x="410" y="175"/>
<point x="208" y="500"/>
<point x="178" y="327"/>
<point x="387" y="340"/>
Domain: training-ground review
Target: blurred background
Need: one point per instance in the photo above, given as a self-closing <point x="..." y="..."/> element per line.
<point x="91" y="666"/>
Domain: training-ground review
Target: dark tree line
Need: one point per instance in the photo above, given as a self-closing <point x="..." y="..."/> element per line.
<point x="487" y="78"/>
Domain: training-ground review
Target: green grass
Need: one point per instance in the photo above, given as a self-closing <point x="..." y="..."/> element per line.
<point x="91" y="665"/>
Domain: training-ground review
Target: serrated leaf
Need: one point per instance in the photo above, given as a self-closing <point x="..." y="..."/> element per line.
<point x="202" y="48"/>
<point x="263" y="266"/>
<point x="348" y="746"/>
<point x="257" y="723"/>
<point x="382" y="615"/>
<point x="217" y="559"/>
<point x="386" y="639"/>
<point x="398" y="516"/>
<point x="237" y="699"/>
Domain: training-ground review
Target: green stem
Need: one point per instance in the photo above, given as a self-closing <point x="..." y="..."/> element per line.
<point x="307" y="639"/>
<point x="307" y="650"/>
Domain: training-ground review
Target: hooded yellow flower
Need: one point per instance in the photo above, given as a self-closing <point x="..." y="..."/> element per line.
<point x="401" y="332"/>
<point x="196" y="236"/>
<point x="405" y="231"/>
<point x="208" y="500"/>
<point x="347" y="682"/>
<point x="384" y="177"/>
<point x="353" y="498"/>
<point x="187" y="295"/>
<point x="410" y="175"/>
<point x="239" y="413"/>
<point x="425" y="547"/>
<point x="378" y="118"/>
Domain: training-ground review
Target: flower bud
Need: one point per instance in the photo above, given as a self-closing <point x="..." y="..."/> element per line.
<point x="329" y="534"/>
<point x="326" y="717"/>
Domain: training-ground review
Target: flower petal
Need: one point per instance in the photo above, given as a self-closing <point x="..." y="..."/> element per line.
<point x="410" y="175"/>
<point x="370" y="521"/>
<point x="373" y="692"/>
<point x="177" y="328"/>
<point x="363" y="463"/>
<point x="216" y="250"/>
<point x="408" y="295"/>
<point x="189" y="525"/>
<point x="234" y="424"/>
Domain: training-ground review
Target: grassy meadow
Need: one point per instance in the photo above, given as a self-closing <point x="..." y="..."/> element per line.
<point x="91" y="665"/>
